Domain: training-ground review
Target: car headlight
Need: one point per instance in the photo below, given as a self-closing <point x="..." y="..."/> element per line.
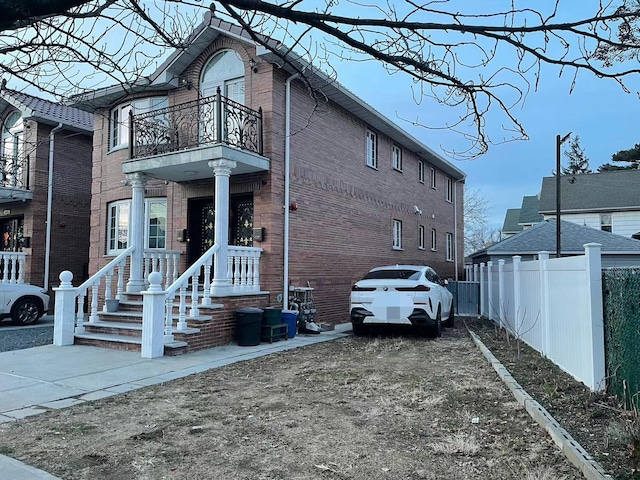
<point x="42" y="290"/>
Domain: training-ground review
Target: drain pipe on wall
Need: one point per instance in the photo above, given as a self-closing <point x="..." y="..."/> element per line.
<point x="287" y="158"/>
<point x="47" y="250"/>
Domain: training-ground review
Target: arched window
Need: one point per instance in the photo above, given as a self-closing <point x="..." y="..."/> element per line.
<point x="225" y="70"/>
<point x="12" y="135"/>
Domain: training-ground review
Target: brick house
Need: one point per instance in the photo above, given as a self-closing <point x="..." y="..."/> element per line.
<point x="44" y="144"/>
<point x="344" y="191"/>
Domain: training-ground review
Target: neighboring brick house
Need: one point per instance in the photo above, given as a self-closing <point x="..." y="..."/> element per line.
<point x="361" y="191"/>
<point x="37" y="133"/>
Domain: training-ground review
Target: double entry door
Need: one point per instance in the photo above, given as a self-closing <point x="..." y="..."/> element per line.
<point x="201" y="224"/>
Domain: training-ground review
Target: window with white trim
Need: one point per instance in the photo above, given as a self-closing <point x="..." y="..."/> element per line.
<point x="433" y="177"/>
<point x="605" y="221"/>
<point x="420" y="171"/>
<point x="449" y="246"/>
<point x="119" y="219"/>
<point x="119" y="118"/>
<point x="421" y="237"/>
<point x="396" y="155"/>
<point x="372" y="149"/>
<point x="449" y="189"/>
<point x="433" y="239"/>
<point x="397" y="234"/>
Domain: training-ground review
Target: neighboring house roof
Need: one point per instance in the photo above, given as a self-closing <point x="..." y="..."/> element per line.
<point x="592" y="192"/>
<point x="168" y="76"/>
<point x="511" y="220"/>
<point x="529" y="214"/>
<point x="45" y="111"/>
<point x="542" y="237"/>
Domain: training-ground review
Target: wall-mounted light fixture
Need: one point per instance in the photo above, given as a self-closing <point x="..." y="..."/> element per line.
<point x="185" y="82"/>
<point x="124" y="182"/>
<point x="253" y="65"/>
<point x="293" y="207"/>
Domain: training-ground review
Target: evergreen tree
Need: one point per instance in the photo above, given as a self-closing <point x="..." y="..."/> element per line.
<point x="627" y="160"/>
<point x="578" y="161"/>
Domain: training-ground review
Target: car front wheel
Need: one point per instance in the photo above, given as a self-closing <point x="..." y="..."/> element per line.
<point x="26" y="311"/>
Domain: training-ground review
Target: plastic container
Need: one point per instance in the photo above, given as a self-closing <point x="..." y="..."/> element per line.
<point x="290" y="317"/>
<point x="248" y="326"/>
<point x="272" y="316"/>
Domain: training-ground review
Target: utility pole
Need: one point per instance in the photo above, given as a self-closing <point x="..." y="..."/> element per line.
<point x="559" y="142"/>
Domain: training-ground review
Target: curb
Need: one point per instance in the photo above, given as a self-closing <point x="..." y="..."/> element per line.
<point x="574" y="452"/>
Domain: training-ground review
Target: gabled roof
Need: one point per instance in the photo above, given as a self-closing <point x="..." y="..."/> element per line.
<point x="168" y="74"/>
<point x="45" y="111"/>
<point x="592" y="192"/>
<point x="542" y="237"/>
<point x="511" y="220"/>
<point x="529" y="214"/>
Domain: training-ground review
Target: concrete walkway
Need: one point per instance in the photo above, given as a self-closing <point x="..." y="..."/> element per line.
<point x="38" y="379"/>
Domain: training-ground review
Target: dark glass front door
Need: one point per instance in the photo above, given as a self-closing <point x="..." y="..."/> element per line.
<point x="12" y="231"/>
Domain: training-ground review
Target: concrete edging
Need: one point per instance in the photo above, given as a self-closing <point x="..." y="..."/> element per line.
<point x="574" y="452"/>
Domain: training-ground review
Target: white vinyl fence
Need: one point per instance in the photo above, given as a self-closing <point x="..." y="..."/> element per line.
<point x="553" y="305"/>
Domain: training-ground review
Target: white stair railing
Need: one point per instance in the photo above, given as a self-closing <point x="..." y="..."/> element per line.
<point x="115" y="268"/>
<point x="12" y="264"/>
<point x="165" y="262"/>
<point x="243" y="268"/>
<point x="179" y="287"/>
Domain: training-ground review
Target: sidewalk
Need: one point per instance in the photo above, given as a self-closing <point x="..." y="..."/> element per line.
<point x="38" y="379"/>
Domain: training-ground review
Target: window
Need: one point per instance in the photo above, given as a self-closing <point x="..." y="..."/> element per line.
<point x="450" y="246"/>
<point x="225" y="70"/>
<point x="433" y="177"/>
<point x="397" y="235"/>
<point x="372" y="149"/>
<point x="119" y="118"/>
<point x="396" y="155"/>
<point x="11" y="154"/>
<point x="420" y="171"/>
<point x="605" y="222"/>
<point x="433" y="239"/>
<point x="421" y="237"/>
<point x="119" y="218"/>
<point x="449" y="189"/>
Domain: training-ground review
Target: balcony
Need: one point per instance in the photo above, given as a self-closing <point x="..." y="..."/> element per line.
<point x="176" y="143"/>
<point x="14" y="178"/>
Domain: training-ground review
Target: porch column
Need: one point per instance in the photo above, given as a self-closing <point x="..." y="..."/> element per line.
<point x="136" y="232"/>
<point x="221" y="283"/>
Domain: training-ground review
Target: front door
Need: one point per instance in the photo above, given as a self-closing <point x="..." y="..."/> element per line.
<point x="12" y="231"/>
<point x="201" y="224"/>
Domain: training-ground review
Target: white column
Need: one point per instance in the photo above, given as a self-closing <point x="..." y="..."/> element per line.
<point x="221" y="283"/>
<point x="65" y="311"/>
<point x="153" y="311"/>
<point x="136" y="232"/>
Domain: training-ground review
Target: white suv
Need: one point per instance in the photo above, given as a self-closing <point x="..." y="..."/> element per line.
<point x="24" y="304"/>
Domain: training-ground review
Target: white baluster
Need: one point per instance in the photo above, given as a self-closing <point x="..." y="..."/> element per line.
<point x="12" y="268"/>
<point x="194" y="312"/>
<point x="176" y="260"/>
<point x="206" y="289"/>
<point x="182" y="311"/>
<point x="167" y="267"/>
<point x="250" y="278"/>
<point x="243" y="271"/>
<point x="168" y="321"/>
<point x="256" y="271"/>
<point x="80" y="314"/>
<point x="21" y="262"/>
<point x="120" y="288"/>
<point x="107" y="289"/>
<point x="5" y="269"/>
<point x="94" y="303"/>
<point x="146" y="268"/>
<point x="230" y="258"/>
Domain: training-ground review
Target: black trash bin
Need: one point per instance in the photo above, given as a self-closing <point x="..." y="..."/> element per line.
<point x="248" y="326"/>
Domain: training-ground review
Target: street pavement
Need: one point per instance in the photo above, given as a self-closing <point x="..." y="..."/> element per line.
<point x="38" y="379"/>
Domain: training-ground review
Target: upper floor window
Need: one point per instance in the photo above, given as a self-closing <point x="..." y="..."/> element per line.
<point x="449" y="189"/>
<point x="433" y="177"/>
<point x="397" y="234"/>
<point x="119" y="219"/>
<point x="421" y="237"/>
<point x="225" y="70"/>
<point x="605" y="222"/>
<point x="433" y="239"/>
<point x="372" y="149"/>
<point x="420" y="171"/>
<point x="119" y="118"/>
<point x="11" y="150"/>
<point x="396" y="156"/>
<point x="450" y="246"/>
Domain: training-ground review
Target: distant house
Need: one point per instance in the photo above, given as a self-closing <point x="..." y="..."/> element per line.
<point x="608" y="201"/>
<point x="617" y="250"/>
<point x="45" y="169"/>
<point x="517" y="219"/>
<point x="511" y="225"/>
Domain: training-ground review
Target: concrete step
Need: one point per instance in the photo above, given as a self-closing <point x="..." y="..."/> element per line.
<point x="122" y="342"/>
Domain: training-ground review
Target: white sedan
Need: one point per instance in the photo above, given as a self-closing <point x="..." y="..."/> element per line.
<point x="24" y="304"/>
<point x="402" y="295"/>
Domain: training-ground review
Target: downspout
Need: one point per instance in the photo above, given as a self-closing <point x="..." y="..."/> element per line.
<point x="455" y="228"/>
<point x="287" y="155"/>
<point x="47" y="249"/>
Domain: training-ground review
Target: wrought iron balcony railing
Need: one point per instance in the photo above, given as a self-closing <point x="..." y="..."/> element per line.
<point x="14" y="171"/>
<point x="207" y="121"/>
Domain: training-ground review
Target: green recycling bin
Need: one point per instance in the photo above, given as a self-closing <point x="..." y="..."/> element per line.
<point x="271" y="317"/>
<point x="248" y="326"/>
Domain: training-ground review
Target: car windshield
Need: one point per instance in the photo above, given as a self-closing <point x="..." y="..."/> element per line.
<point x="404" y="274"/>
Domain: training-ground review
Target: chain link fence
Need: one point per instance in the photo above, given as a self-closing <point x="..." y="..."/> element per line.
<point x="621" y="303"/>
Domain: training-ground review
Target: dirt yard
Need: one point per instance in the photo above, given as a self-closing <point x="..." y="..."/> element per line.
<point x="392" y="407"/>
